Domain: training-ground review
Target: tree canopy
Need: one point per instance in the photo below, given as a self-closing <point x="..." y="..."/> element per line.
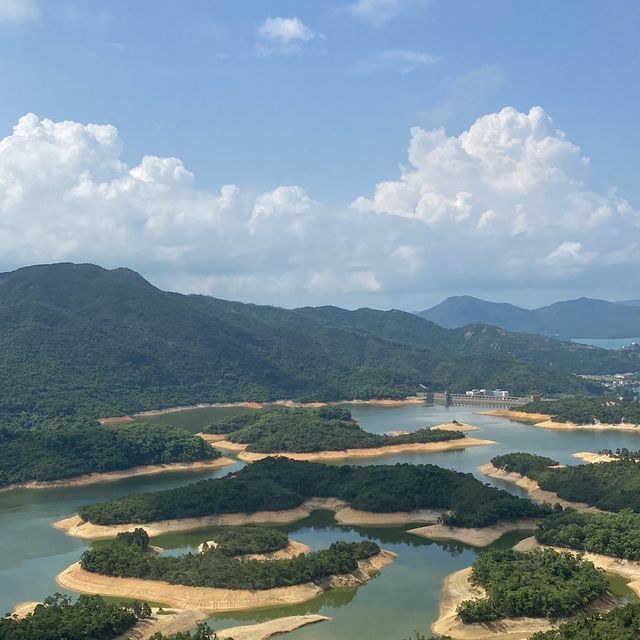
<point x="280" y="483"/>
<point x="63" y="451"/>
<point x="308" y="430"/>
<point x="539" y="584"/>
<point x="88" y="618"/>
<point x="124" y="557"/>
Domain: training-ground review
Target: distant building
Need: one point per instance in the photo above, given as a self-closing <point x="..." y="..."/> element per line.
<point x="486" y="393"/>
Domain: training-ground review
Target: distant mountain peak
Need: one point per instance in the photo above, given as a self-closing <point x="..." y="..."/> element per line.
<point x="580" y="318"/>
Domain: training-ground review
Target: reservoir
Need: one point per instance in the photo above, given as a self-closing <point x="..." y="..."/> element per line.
<point x="402" y="599"/>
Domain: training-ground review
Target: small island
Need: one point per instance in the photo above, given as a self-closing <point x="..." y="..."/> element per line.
<point x="580" y="412"/>
<point x="59" y="617"/>
<point x="510" y="594"/>
<point x="323" y="433"/>
<point x="223" y="576"/>
<point x="586" y="487"/>
<point x="96" y="618"/>
<point x="279" y="490"/>
<point x="81" y="454"/>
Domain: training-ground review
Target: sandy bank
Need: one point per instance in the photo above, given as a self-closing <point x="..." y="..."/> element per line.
<point x="627" y="569"/>
<point x="522" y="416"/>
<point x="255" y="405"/>
<point x="373" y="452"/>
<point x="209" y="599"/>
<point x="533" y="489"/>
<point x="292" y="550"/>
<point x="546" y="421"/>
<point x="132" y="472"/>
<point x="191" y="407"/>
<point x="23" y="609"/>
<point x="476" y="537"/>
<point x="344" y="514"/>
<point x="266" y="630"/>
<point x="169" y="623"/>
<point x="455" y="589"/>
<point x="455" y="426"/>
<point x="600" y="426"/>
<point x="114" y="420"/>
<point x="594" y="458"/>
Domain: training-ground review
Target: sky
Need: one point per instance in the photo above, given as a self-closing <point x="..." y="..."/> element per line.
<point x="381" y="153"/>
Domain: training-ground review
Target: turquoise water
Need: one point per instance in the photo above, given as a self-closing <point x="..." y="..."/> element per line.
<point x="404" y="597"/>
<point x="607" y="343"/>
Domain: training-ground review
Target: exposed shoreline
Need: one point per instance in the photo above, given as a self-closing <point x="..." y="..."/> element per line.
<point x="533" y="489"/>
<point x="546" y="421"/>
<point x="455" y="589"/>
<point x="600" y="426"/>
<point x="178" y="620"/>
<point x="211" y="599"/>
<point x="293" y="549"/>
<point x="627" y="569"/>
<point x="270" y="628"/>
<point x="124" y="419"/>
<point x="594" y="458"/>
<point x="344" y="514"/>
<point x="371" y="452"/>
<point x="123" y="474"/>
<point x="462" y="427"/>
<point x="475" y="537"/>
<point x="522" y="416"/>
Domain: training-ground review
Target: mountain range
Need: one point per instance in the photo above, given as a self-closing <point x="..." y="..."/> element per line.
<point x="581" y="318"/>
<point x="80" y="340"/>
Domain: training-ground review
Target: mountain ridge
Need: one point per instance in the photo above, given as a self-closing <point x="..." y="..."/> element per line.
<point x="579" y="318"/>
<point x="80" y="339"/>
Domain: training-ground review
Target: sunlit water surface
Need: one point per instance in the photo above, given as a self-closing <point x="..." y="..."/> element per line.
<point x="404" y="597"/>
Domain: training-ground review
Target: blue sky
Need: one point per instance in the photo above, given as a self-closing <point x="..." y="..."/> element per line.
<point x="325" y="105"/>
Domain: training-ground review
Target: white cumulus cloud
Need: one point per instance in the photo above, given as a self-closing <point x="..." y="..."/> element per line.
<point x="505" y="203"/>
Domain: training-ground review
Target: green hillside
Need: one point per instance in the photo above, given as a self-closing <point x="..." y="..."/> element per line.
<point x="79" y="339"/>
<point x="478" y="338"/>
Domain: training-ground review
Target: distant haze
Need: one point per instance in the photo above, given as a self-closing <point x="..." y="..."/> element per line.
<point x="581" y="318"/>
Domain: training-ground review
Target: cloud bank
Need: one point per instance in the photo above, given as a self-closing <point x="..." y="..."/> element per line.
<point x="505" y="204"/>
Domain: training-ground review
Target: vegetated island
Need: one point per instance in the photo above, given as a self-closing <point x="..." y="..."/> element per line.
<point x="511" y="594"/>
<point x="80" y="454"/>
<point x="89" y="617"/>
<point x="610" y="541"/>
<point x="607" y="487"/>
<point x="281" y="490"/>
<point x="95" y="618"/>
<point x="580" y="412"/>
<point x="222" y="577"/>
<point x="321" y="434"/>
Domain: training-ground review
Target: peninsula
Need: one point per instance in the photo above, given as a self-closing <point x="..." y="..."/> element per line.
<point x="221" y="577"/>
<point x="510" y="594"/>
<point x="283" y="490"/>
<point x="324" y="433"/>
<point x="79" y="454"/>
<point x="580" y="412"/>
<point x="586" y="487"/>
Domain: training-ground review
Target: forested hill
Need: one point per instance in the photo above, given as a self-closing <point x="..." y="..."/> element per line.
<point x="477" y="338"/>
<point x="581" y="318"/>
<point x="82" y="339"/>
